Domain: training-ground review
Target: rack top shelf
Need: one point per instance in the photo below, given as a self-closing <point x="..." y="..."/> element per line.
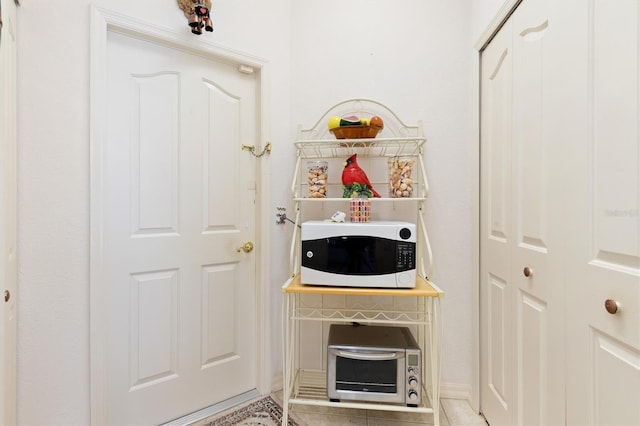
<point x="374" y="200"/>
<point x="423" y="288"/>
<point x="383" y="147"/>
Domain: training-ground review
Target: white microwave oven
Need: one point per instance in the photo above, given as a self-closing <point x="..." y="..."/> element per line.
<point x="363" y="254"/>
<point x="373" y="364"/>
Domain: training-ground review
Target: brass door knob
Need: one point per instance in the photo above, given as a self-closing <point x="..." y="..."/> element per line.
<point x="611" y="306"/>
<point x="528" y="272"/>
<point x="246" y="247"/>
<point x="7" y="295"/>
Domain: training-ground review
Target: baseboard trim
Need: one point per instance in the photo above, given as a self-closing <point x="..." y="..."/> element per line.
<point x="455" y="391"/>
<point x="276" y="383"/>
<point x="214" y="409"/>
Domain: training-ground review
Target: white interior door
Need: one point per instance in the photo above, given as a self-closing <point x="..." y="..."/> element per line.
<point x="178" y="201"/>
<point x="497" y="331"/>
<point x="572" y="184"/>
<point x="603" y="349"/>
<point x="8" y="208"/>
<point x="537" y="196"/>
<point x="522" y="295"/>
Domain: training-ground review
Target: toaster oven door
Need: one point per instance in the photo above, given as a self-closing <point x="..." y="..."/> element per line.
<point x="366" y="374"/>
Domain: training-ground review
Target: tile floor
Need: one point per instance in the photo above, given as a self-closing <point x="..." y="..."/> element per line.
<point x="454" y="412"/>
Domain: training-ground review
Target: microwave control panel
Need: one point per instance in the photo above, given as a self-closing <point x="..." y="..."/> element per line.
<point x="405" y="256"/>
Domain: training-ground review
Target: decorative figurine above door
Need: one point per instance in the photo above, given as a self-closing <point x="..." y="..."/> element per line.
<point x="197" y="14"/>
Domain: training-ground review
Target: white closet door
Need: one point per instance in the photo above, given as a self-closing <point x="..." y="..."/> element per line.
<point x="603" y="253"/>
<point x="522" y="298"/>
<point x="497" y="378"/>
<point x="536" y="198"/>
<point x="560" y="195"/>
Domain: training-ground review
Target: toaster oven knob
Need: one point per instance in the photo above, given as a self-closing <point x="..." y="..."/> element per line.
<point x="413" y="381"/>
<point x="413" y="395"/>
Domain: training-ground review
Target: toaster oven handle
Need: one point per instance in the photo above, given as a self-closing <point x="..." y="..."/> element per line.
<point x="369" y="356"/>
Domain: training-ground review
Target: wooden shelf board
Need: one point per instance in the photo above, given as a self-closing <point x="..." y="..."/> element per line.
<point x="423" y="288"/>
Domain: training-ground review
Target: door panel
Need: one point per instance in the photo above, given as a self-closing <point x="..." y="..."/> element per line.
<point x="154" y="138"/>
<point x="530" y="150"/>
<point x="519" y="166"/>
<point x="615" y="367"/>
<point x="153" y="326"/>
<point x="8" y="214"/>
<point x="178" y="201"/>
<point x="533" y="349"/>
<point x="615" y="136"/>
<point x="603" y="379"/>
<point x="576" y="191"/>
<point x="496" y="294"/>
<point x="219" y="337"/>
<point x="497" y="341"/>
<point x="537" y="194"/>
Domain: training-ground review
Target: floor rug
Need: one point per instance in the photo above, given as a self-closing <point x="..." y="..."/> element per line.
<point x="263" y="412"/>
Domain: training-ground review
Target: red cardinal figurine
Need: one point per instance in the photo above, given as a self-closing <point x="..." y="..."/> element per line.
<point x="352" y="173"/>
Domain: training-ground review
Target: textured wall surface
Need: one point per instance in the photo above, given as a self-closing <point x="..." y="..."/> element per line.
<point x="54" y="170"/>
<point x="414" y="56"/>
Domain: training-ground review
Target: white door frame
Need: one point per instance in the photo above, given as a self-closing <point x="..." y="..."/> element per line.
<point x="103" y="21"/>
<point x="494" y="26"/>
<point x="8" y="216"/>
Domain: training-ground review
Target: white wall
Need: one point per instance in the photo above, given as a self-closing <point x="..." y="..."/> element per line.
<point x="483" y="11"/>
<point x="53" y="64"/>
<point x="415" y="57"/>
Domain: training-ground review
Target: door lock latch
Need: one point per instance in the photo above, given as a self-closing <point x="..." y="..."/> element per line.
<point x="246" y="247"/>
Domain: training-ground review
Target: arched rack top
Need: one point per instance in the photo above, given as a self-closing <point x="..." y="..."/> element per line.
<point x="394" y="127"/>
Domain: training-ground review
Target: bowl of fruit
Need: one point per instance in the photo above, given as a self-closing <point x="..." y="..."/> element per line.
<point x="353" y="127"/>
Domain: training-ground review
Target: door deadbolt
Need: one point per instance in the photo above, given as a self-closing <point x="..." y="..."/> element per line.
<point x="7" y="295"/>
<point x="246" y="247"/>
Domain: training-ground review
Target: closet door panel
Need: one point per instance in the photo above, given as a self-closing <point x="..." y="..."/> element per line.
<point x="498" y="149"/>
<point x="603" y="348"/>
<point x="531" y="162"/>
<point x="497" y="380"/>
<point x="614" y="171"/>
<point x="572" y="284"/>
<point x="498" y="340"/>
<point x="533" y="335"/>
<point x="531" y="43"/>
<point x="536" y="257"/>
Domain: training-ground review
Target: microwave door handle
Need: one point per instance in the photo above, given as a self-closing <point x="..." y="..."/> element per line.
<point x="369" y="356"/>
